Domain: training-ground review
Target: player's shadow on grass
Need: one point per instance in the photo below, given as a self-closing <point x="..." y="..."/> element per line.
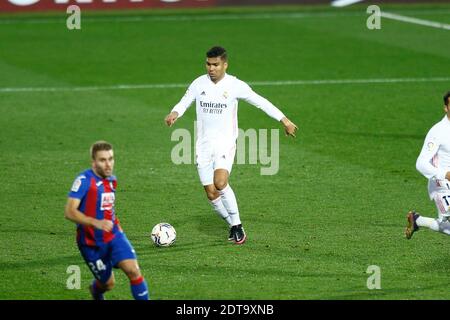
<point x="213" y="226"/>
<point x="216" y="232"/>
<point x="179" y="246"/>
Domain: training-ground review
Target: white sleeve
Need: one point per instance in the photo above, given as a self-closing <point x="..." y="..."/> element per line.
<point x="185" y="101"/>
<point x="250" y="96"/>
<point x="424" y="161"/>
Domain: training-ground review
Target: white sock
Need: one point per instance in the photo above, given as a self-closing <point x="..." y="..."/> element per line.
<point x="444" y="227"/>
<point x="427" y="222"/>
<point x="230" y="203"/>
<point x="221" y="210"/>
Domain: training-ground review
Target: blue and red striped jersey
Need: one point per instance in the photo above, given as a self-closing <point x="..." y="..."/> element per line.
<point x="97" y="197"/>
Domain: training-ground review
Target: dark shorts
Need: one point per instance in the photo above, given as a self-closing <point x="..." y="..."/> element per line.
<point x="101" y="259"/>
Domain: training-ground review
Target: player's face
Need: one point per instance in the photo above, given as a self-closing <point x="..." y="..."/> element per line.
<point x="216" y="68"/>
<point x="103" y="164"/>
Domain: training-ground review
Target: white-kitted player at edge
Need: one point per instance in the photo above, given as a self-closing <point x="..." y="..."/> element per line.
<point x="216" y="94"/>
<point x="434" y="164"/>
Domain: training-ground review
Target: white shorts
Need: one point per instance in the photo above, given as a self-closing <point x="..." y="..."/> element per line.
<point x="210" y="157"/>
<point x="439" y="191"/>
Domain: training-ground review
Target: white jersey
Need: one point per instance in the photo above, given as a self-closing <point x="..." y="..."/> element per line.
<point x="434" y="159"/>
<point x="217" y="107"/>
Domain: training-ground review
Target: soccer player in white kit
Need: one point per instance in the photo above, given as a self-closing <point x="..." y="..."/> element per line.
<point x="216" y="94"/>
<point x="434" y="164"/>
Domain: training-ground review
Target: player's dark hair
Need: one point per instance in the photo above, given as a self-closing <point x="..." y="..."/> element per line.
<point x="447" y="99"/>
<point x="217" y="51"/>
<point x="100" y="146"/>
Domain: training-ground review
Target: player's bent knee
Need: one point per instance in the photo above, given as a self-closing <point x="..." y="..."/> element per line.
<point x="134" y="274"/>
<point x="211" y="192"/>
<point x="220" y="184"/>
<point x="212" y="195"/>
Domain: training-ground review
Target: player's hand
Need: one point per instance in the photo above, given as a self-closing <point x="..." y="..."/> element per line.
<point x="171" y="118"/>
<point x="289" y="127"/>
<point x="105" y="225"/>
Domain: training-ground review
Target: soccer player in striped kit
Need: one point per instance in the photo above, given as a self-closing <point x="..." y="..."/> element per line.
<point x="216" y="94"/>
<point x="434" y="163"/>
<point x="100" y="238"/>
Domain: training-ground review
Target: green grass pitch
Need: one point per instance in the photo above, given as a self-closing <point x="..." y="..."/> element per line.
<point x="336" y="206"/>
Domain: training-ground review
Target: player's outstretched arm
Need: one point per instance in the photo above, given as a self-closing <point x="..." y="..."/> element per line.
<point x="72" y="213"/>
<point x="289" y="127"/>
<point x="262" y="103"/>
<point x="171" y="118"/>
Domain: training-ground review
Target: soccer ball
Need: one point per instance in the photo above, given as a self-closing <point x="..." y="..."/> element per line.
<point x="163" y="234"/>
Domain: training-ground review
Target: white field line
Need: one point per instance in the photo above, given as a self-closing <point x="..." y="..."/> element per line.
<point x="344" y="3"/>
<point x="206" y="17"/>
<point x="253" y="83"/>
<point x="421" y="22"/>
